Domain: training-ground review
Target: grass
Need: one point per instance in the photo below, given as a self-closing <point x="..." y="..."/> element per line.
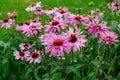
<point x="20" y="5"/>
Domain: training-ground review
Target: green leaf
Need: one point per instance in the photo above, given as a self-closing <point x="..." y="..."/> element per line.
<point x="78" y="66"/>
<point x="56" y="69"/>
<point x="56" y="76"/>
<point x="71" y="69"/>
<point x="91" y="74"/>
<point x="45" y="77"/>
<point x="5" y="67"/>
<point x="36" y="75"/>
<point x="27" y="72"/>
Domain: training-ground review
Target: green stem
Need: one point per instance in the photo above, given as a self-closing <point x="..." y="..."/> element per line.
<point x="45" y="57"/>
<point x="113" y="61"/>
<point x="106" y="56"/>
<point x="1" y="68"/>
<point x="72" y="56"/>
<point x="66" y="57"/>
<point x="106" y="53"/>
<point x="64" y="68"/>
<point x="39" y="49"/>
<point x="92" y="52"/>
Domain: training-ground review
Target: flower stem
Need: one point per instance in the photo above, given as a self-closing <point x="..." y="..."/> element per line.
<point x="92" y="53"/>
<point x="113" y="61"/>
<point x="1" y="68"/>
<point x="106" y="53"/>
<point x="39" y="49"/>
<point x="72" y="56"/>
<point x="64" y="68"/>
<point x="106" y="56"/>
<point x="45" y="57"/>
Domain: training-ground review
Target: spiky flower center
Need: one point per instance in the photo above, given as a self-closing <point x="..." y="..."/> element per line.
<point x="49" y="8"/>
<point x="21" y="53"/>
<point x="116" y="4"/>
<point x="61" y="11"/>
<point x="57" y="42"/>
<point x="77" y="17"/>
<point x="20" y="24"/>
<point x="5" y="20"/>
<point x="55" y="22"/>
<point x="27" y="23"/>
<point x="35" y="54"/>
<point x="26" y="45"/>
<point x="33" y="4"/>
<point x="107" y="38"/>
<point x="73" y="38"/>
<point x="97" y="26"/>
<point x="33" y="26"/>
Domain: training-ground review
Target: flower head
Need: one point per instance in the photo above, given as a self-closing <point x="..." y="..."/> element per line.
<point x="63" y="12"/>
<point x="108" y="37"/>
<point x="76" y="39"/>
<point x="32" y="29"/>
<point x="20" y="26"/>
<point x="77" y="19"/>
<point x="24" y="46"/>
<point x="6" y="22"/>
<point x="56" y="44"/>
<point x="49" y="11"/>
<point x="39" y="11"/>
<point x="21" y="55"/>
<point x="33" y="7"/>
<point x="95" y="27"/>
<point x="55" y="25"/>
<point x="12" y="14"/>
<point x="35" y="57"/>
<point x="114" y="5"/>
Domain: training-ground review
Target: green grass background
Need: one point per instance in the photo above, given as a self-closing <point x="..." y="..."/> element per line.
<point x="20" y="5"/>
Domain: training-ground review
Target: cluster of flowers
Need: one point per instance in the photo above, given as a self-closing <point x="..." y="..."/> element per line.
<point x="24" y="53"/>
<point x="56" y="41"/>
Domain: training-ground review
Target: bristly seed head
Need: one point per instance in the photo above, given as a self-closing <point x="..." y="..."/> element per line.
<point x="55" y="22"/>
<point x="20" y="24"/>
<point x="61" y="11"/>
<point x="49" y="8"/>
<point x="33" y="26"/>
<point x="27" y="23"/>
<point x="97" y="26"/>
<point x="5" y="20"/>
<point x="21" y="53"/>
<point x="116" y="4"/>
<point x="33" y="4"/>
<point x="26" y="45"/>
<point x="77" y="17"/>
<point x="108" y="38"/>
<point x="73" y="38"/>
<point x="35" y="54"/>
<point x="57" y="42"/>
